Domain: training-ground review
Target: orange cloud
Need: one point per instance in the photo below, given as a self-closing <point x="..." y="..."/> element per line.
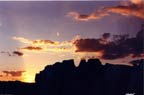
<point x="44" y="42"/>
<point x="135" y="8"/>
<point x="32" y="48"/>
<point x="14" y="73"/>
<point x="137" y="1"/>
<point x="46" y="45"/>
<point x="84" y="17"/>
<point x="41" y="47"/>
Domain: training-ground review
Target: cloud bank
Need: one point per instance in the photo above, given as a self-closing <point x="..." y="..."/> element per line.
<point x="106" y="47"/>
<point x="133" y="8"/>
<point x="121" y="46"/>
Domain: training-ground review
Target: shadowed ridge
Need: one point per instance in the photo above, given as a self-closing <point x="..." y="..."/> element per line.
<point x="94" y="63"/>
<point x="69" y="63"/>
<point x="141" y="65"/>
<point x="136" y="79"/>
<point x="118" y="78"/>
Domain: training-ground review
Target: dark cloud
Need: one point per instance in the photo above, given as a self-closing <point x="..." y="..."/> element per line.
<point x="43" y="42"/>
<point x="105" y="38"/>
<point x="18" y="53"/>
<point x="88" y="45"/>
<point x="121" y="46"/>
<point x="32" y="48"/>
<point x="106" y="35"/>
<point x="14" y="73"/>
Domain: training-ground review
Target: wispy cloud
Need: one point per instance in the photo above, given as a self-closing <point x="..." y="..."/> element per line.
<point x="85" y="17"/>
<point x="13" y="73"/>
<point x="44" y="45"/>
<point x="14" y="53"/>
<point x="136" y="8"/>
<point x="31" y="48"/>
<point x="133" y="8"/>
<point x="44" y="42"/>
<point x="38" y="42"/>
<point x="22" y="40"/>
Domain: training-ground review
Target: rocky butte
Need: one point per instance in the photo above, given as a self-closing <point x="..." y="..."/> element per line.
<point x="90" y="78"/>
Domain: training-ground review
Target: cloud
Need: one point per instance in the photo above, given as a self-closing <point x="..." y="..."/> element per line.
<point x="22" y="40"/>
<point x="106" y="35"/>
<point x="85" y="17"/>
<point x="105" y="38"/>
<point x="121" y="46"/>
<point x="6" y="52"/>
<point x="108" y="46"/>
<point x="44" y="42"/>
<point x="88" y="45"/>
<point x="32" y="48"/>
<point x="130" y="10"/>
<point x="18" y="53"/>
<point x="133" y="8"/>
<point x="50" y="48"/>
<point x="137" y="2"/>
<point x="14" y="53"/>
<point x="35" y="42"/>
<point x="44" y="45"/>
<point x="13" y="73"/>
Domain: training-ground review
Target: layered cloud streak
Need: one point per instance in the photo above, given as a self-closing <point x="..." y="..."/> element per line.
<point x="107" y="47"/>
<point x="133" y="8"/>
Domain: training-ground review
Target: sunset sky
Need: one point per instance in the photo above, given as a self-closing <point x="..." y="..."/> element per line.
<point x="36" y="34"/>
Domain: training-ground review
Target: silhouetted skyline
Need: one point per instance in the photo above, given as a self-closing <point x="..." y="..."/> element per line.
<point x="89" y="78"/>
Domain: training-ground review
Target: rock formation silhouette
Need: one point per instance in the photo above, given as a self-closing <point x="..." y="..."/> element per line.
<point x="89" y="78"/>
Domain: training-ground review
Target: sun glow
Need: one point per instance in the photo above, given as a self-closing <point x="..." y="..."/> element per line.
<point x="28" y="78"/>
<point x="136" y="1"/>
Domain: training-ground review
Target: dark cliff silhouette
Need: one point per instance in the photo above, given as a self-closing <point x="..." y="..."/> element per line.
<point x="89" y="78"/>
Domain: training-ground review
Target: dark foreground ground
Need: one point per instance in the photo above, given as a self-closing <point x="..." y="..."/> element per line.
<point x="90" y="78"/>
